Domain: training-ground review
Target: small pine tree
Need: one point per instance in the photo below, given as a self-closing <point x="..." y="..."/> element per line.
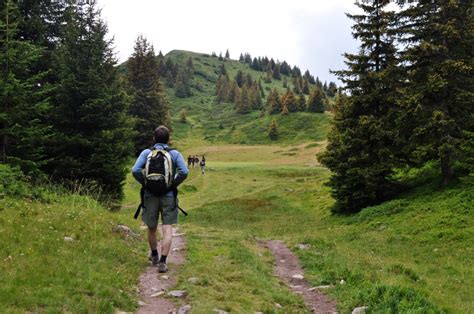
<point x="273" y="131"/>
<point x="289" y="101"/>
<point x="243" y="104"/>
<point x="305" y="88"/>
<point x="301" y="102"/>
<point x="274" y="102"/>
<point x="227" y="54"/>
<point x="276" y="72"/>
<point x="316" y="101"/>
<point x="239" y="78"/>
<point x="183" y="116"/>
<point x="284" y="110"/>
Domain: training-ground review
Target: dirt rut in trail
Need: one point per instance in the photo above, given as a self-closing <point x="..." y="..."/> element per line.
<point x="153" y="283"/>
<point x="287" y="267"/>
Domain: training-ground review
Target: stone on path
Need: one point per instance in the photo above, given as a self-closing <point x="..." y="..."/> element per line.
<point x="278" y="306"/>
<point x="184" y="309"/>
<point x="217" y="311"/>
<point x="193" y="280"/>
<point x="177" y="293"/>
<point x="359" y="310"/>
<point x="342" y="282"/>
<point x="164" y="277"/>
<point x="154" y="295"/>
<point x="68" y="239"/>
<point x="297" y="276"/>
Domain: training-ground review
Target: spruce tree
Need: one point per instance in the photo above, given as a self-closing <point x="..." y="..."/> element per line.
<point x="363" y="139"/>
<point x="438" y="108"/>
<point x="239" y="78"/>
<point x="316" y="101"/>
<point x="92" y="131"/>
<point x="274" y="102"/>
<point x="222" y="89"/>
<point x="301" y="102"/>
<point x="23" y="95"/>
<point x="183" y="84"/>
<point x="273" y="131"/>
<point x="183" y="116"/>
<point x="289" y="101"/>
<point x="243" y="105"/>
<point x="227" y="54"/>
<point x="276" y="72"/>
<point x="284" y="110"/>
<point x="148" y="107"/>
<point x="305" y="87"/>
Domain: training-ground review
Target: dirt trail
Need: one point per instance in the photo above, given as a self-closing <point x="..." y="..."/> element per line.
<point x="287" y="267"/>
<point x="153" y="283"/>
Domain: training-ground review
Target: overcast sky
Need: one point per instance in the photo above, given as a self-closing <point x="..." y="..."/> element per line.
<point x="311" y="34"/>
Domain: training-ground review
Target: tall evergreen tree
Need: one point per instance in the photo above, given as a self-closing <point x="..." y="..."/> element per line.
<point x="438" y="109"/>
<point x="92" y="131"/>
<point x="149" y="106"/>
<point x="227" y="54"/>
<point x="23" y="95"/>
<point x="361" y="145"/>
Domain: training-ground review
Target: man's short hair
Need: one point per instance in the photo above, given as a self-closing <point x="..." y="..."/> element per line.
<point x="162" y="134"/>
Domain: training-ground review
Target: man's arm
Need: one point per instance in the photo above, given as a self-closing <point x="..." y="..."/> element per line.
<point x="137" y="169"/>
<point x="181" y="170"/>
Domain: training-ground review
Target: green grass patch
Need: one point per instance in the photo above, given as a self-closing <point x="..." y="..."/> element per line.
<point x="41" y="271"/>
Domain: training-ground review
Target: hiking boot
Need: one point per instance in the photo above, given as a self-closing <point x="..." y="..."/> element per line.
<point x="162" y="268"/>
<point x="154" y="260"/>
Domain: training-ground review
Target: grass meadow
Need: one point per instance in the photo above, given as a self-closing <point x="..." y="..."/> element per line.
<point x="413" y="254"/>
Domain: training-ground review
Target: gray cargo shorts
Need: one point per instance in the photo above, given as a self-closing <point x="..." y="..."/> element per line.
<point x="164" y="206"/>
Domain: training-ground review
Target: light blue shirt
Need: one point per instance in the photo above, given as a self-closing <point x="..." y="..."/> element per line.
<point x="179" y="167"/>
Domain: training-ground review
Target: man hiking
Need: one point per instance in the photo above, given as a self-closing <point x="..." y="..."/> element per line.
<point x="164" y="202"/>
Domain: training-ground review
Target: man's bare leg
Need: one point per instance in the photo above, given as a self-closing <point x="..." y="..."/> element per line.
<point x="167" y="237"/>
<point x="167" y="231"/>
<point x="152" y="241"/>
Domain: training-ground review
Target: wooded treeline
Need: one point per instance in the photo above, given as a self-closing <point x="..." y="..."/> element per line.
<point x="67" y="114"/>
<point x="409" y="100"/>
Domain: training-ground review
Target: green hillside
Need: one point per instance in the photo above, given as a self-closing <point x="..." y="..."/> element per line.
<point x="219" y="123"/>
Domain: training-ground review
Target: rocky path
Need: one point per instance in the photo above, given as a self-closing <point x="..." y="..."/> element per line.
<point x="287" y="267"/>
<point x="155" y="287"/>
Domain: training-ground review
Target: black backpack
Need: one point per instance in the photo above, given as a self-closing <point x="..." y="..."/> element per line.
<point x="158" y="176"/>
<point x="159" y="171"/>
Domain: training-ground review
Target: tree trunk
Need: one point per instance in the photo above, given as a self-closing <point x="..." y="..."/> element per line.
<point x="446" y="169"/>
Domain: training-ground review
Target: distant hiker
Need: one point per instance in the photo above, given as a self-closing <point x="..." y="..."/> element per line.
<point x="202" y="164"/>
<point x="189" y="161"/>
<point x="160" y="170"/>
<point x="193" y="159"/>
<point x="196" y="160"/>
